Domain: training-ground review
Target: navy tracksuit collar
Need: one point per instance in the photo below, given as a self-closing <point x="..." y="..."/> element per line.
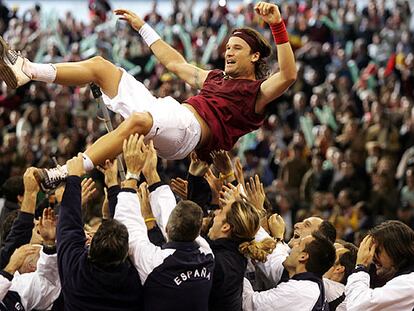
<point x="182" y="246"/>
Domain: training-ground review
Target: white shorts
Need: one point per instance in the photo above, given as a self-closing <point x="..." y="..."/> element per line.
<point x="175" y="130"/>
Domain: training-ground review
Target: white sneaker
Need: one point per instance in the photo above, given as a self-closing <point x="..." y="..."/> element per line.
<point x="11" y="66"/>
<point x="52" y="178"/>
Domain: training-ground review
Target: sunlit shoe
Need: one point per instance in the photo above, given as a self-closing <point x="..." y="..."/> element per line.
<point x="52" y="178"/>
<point x="11" y="66"/>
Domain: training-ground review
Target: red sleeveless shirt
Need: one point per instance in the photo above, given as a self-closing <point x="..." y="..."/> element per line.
<point x="228" y="108"/>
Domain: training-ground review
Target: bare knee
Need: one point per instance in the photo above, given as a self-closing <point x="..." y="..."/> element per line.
<point x="138" y="122"/>
<point x="99" y="63"/>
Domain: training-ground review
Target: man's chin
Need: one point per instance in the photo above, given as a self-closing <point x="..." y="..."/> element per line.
<point x="385" y="274"/>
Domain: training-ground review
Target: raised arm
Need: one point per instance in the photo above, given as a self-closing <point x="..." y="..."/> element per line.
<point x="21" y="231"/>
<point x="165" y="53"/>
<point x="278" y="83"/>
<point x="70" y="235"/>
<point x="145" y="255"/>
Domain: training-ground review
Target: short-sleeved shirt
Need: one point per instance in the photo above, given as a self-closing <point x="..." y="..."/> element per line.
<point x="228" y="107"/>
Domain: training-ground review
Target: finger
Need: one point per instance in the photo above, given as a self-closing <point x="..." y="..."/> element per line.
<point x="124" y="147"/>
<point x="151" y="146"/>
<point x="52" y="214"/>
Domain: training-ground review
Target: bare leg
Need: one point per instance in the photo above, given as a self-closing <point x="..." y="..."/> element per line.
<point x="96" y="70"/>
<point x="110" y="145"/>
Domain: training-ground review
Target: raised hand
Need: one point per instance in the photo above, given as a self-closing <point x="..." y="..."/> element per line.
<point x="133" y="19"/>
<point x="366" y="251"/>
<point x="238" y="172"/>
<point x="269" y="12"/>
<point x="75" y="166"/>
<point x="105" y="206"/>
<point x="215" y="186"/>
<point x="135" y="152"/>
<point x="222" y="162"/>
<point x="47" y="227"/>
<point x="197" y="167"/>
<point x="255" y="192"/>
<point x="277" y="226"/>
<point x="30" y="183"/>
<point x="150" y="167"/>
<point x="110" y="170"/>
<point x="179" y="187"/>
<point x="230" y="194"/>
<point x="143" y="194"/>
<point x="88" y="189"/>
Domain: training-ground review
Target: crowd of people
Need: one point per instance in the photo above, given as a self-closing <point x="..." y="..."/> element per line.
<point x="275" y="222"/>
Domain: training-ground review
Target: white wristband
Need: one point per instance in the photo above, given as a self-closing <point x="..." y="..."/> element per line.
<point x="148" y="34"/>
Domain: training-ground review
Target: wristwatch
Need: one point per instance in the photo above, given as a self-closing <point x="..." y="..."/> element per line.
<point x="361" y="267"/>
<point x="130" y="175"/>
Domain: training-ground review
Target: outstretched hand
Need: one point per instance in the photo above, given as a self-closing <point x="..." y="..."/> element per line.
<point x="133" y="19"/>
<point x="110" y="170"/>
<point x="197" y="166"/>
<point x="75" y="166"/>
<point x="135" y="153"/>
<point x="151" y="161"/>
<point x="222" y="162"/>
<point x="179" y="187"/>
<point x="30" y="183"/>
<point x="88" y="189"/>
<point x="269" y="12"/>
<point x="255" y="193"/>
<point x="277" y="226"/>
<point x="238" y="172"/>
<point x="47" y="226"/>
<point x="230" y="194"/>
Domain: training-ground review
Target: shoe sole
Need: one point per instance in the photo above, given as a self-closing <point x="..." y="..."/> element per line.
<point x="6" y="73"/>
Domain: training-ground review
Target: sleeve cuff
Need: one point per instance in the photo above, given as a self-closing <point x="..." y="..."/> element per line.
<point x="74" y="179"/>
<point x="6" y="275"/>
<point x="114" y="190"/>
<point x="49" y="250"/>
<point x="130" y="190"/>
<point x="153" y="187"/>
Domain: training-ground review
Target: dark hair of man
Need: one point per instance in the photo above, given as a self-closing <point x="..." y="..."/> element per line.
<point x="7" y="224"/>
<point x="261" y="68"/>
<point x="348" y="261"/>
<point x="328" y="230"/>
<point x="13" y="187"/>
<point x="397" y="239"/>
<point x="185" y="222"/>
<point x="109" y="246"/>
<point x="322" y="254"/>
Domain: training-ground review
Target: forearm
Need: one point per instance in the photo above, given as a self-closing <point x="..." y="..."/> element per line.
<point x="29" y="202"/>
<point x="113" y="199"/>
<point x="285" y="56"/>
<point x="286" y="59"/>
<point x="19" y="235"/>
<point x="70" y="229"/>
<point x="167" y="55"/>
<point x="162" y="202"/>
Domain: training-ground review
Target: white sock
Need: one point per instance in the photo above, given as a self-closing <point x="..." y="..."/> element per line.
<point x="40" y="72"/>
<point x="87" y="163"/>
